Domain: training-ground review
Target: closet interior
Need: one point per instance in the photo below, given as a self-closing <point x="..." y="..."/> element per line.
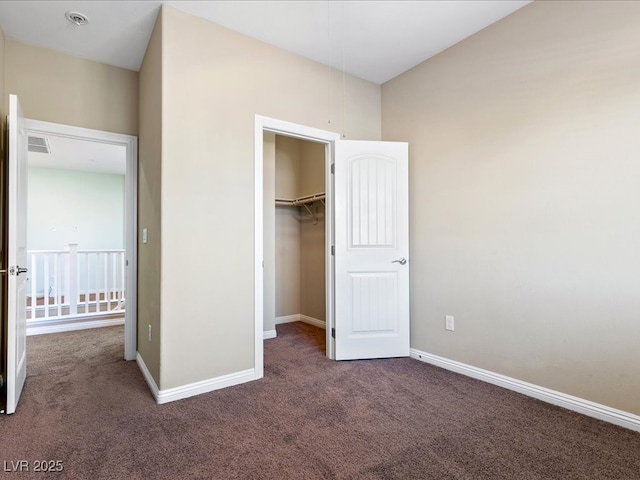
<point x="294" y="232"/>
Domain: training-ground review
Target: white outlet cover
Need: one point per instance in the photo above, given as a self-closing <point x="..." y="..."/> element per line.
<point x="449" y="322"/>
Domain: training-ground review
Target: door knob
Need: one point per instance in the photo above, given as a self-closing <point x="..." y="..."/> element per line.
<point x="401" y="261"/>
<point x="20" y="270"/>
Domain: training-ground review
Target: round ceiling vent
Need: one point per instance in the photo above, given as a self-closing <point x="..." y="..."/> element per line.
<point x="77" y="18"/>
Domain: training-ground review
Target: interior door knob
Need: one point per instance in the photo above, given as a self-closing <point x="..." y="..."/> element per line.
<point x="401" y="261"/>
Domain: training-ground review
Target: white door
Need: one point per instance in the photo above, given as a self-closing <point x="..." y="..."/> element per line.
<point x="371" y="250"/>
<point x="17" y="255"/>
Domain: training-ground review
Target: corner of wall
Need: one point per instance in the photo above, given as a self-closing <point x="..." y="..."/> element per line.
<point x="150" y="204"/>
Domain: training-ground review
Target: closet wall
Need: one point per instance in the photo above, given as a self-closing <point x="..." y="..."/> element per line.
<point x="299" y="237"/>
<point x="312" y="237"/>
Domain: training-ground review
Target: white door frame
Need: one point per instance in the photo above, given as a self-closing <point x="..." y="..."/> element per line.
<point x="131" y="210"/>
<point x="280" y="127"/>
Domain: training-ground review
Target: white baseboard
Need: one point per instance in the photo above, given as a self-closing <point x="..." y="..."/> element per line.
<point x="288" y="319"/>
<point x="193" y="389"/>
<point x="313" y="321"/>
<point x="57" y="327"/>
<point x="205" y="386"/>
<point x="147" y="376"/>
<point x="267" y="334"/>
<point x="580" y="405"/>
<point x="298" y="317"/>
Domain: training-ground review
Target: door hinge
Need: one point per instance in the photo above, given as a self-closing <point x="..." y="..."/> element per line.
<point x="126" y="263"/>
<point x="333" y="250"/>
<point x="333" y="332"/>
<point x="333" y="168"/>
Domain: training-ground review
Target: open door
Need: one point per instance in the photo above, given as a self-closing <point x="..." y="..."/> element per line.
<point x="371" y="250"/>
<point x="16" y="255"/>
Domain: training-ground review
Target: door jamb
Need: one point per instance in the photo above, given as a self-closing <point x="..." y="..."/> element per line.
<point x="280" y="127"/>
<point x="131" y="211"/>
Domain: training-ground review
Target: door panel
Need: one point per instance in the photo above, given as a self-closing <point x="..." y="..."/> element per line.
<point x="17" y="255"/>
<point x="371" y="218"/>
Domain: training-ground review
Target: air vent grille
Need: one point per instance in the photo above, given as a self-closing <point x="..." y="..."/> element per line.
<point x="38" y="145"/>
<point x="76" y="17"/>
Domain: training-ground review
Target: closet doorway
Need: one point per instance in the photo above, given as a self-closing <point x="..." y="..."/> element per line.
<point x="366" y="258"/>
<point x="298" y="204"/>
<point x="305" y="215"/>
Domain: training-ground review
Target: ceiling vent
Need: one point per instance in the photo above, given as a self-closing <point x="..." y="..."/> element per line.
<point x="38" y="144"/>
<point x="76" y="17"/>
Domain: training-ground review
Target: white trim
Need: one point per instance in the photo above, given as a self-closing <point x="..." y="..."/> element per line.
<point x="205" y="386"/>
<point x="131" y="210"/>
<point x="298" y="317"/>
<point x="313" y="321"/>
<point x="268" y="334"/>
<point x="35" y="328"/>
<point x="192" y="389"/>
<point x="147" y="376"/>
<point x="586" y="407"/>
<point x="258" y="247"/>
<point x="288" y="319"/>
<point x="265" y="124"/>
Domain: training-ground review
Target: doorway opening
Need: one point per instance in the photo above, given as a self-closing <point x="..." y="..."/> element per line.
<point x="264" y="198"/>
<point x="91" y="280"/>
<point x="294" y="232"/>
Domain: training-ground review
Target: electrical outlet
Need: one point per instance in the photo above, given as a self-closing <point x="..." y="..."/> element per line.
<point x="149" y="332"/>
<point x="449" y="323"/>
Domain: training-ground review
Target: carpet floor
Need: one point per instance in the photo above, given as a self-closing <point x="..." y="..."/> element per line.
<point x="309" y="418"/>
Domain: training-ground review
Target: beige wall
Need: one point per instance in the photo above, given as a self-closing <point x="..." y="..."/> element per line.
<point x="214" y="83"/>
<point x="287" y="167"/>
<point x="56" y="87"/>
<point x="150" y="203"/>
<point x="287" y="227"/>
<point x="312" y="266"/>
<point x="524" y="198"/>
<point x="312" y="168"/>
<point x="287" y="248"/>
<point x="312" y="235"/>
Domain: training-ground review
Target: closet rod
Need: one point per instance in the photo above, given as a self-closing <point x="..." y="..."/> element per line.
<point x="316" y="197"/>
<point x="304" y="202"/>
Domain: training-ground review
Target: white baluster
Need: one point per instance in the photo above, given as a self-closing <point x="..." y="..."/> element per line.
<point x="106" y="278"/>
<point x="34" y="283"/>
<point x="73" y="279"/>
<point x="45" y="284"/>
<point x="56" y="283"/>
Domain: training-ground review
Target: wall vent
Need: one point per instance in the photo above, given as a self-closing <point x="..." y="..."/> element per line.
<point x="38" y="144"/>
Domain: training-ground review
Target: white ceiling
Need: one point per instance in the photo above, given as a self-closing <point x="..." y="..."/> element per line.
<point x="374" y="40"/>
<point x="74" y="154"/>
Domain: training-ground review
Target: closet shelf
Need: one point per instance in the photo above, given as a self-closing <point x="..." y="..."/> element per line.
<point x="304" y="202"/>
<point x="296" y="202"/>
